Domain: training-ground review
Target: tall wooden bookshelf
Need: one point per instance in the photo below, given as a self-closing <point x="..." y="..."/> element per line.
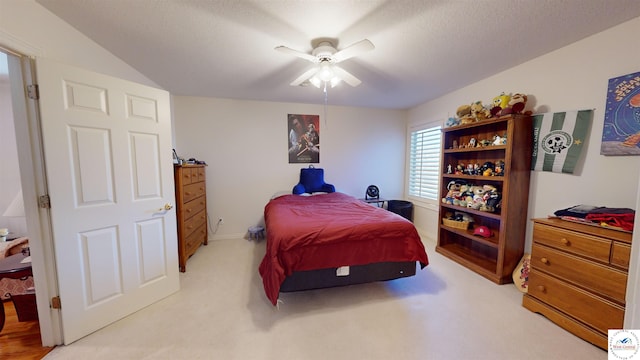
<point x="493" y="257"/>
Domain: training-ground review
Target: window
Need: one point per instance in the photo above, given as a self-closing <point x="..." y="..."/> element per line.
<point x="424" y="162"/>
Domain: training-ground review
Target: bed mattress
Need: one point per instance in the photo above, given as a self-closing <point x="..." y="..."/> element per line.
<point x="330" y="231"/>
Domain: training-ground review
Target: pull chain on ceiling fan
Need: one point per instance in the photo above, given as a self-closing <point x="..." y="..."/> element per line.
<point x="325" y="57"/>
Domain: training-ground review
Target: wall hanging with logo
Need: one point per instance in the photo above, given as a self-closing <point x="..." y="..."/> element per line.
<point x="621" y="132"/>
<point x="304" y="138"/>
<point x="558" y="139"/>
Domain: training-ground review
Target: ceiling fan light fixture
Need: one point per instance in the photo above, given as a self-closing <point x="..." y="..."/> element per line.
<point x="326" y="71"/>
<point x="325" y="58"/>
<point x="315" y="81"/>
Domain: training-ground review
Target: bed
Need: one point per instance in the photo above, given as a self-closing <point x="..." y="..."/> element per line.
<point x="333" y="239"/>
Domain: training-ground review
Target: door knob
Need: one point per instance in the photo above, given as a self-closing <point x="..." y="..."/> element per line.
<point x="167" y="206"/>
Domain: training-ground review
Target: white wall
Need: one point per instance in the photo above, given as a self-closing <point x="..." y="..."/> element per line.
<point x="574" y="77"/>
<point x="245" y="145"/>
<point x="9" y="171"/>
<point x="29" y="28"/>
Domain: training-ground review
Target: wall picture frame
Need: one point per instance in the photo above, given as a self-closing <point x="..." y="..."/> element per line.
<point x="621" y="131"/>
<point x="303" y="138"/>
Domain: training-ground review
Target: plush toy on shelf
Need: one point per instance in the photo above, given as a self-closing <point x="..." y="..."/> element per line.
<point x="452" y="121"/>
<point x="479" y="112"/>
<point x="499" y="102"/>
<point x="453" y="192"/>
<point x="464" y="114"/>
<point x="499" y="168"/>
<point x="516" y="104"/>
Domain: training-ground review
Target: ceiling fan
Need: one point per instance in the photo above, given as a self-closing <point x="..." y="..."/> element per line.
<point x="325" y="57"/>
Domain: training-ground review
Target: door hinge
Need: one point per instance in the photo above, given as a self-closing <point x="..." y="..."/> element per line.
<point x="33" y="92"/>
<point x="55" y="302"/>
<point x="44" y="202"/>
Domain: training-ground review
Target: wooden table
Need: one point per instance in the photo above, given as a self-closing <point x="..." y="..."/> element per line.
<point x="12" y="267"/>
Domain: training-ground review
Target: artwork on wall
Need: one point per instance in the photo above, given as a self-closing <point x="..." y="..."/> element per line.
<point x="558" y="140"/>
<point x="621" y="132"/>
<point x="304" y="138"/>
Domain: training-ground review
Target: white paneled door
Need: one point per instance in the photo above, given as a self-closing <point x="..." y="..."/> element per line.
<point x="109" y="169"/>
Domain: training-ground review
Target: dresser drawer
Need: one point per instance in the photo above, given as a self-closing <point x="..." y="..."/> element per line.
<point x="193" y="191"/>
<point x="186" y="176"/>
<point x="573" y="242"/>
<point x="193" y="241"/>
<point x="191" y="224"/>
<point x="595" y="277"/>
<point x="588" y="308"/>
<point x="193" y="173"/>
<point x="193" y="207"/>
<point x="620" y="254"/>
<point x="198" y="174"/>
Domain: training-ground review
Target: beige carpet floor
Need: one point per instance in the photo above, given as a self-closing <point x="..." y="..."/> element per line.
<point x="221" y="312"/>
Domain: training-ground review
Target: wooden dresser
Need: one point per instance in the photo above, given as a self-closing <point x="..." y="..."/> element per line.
<point x="578" y="277"/>
<point x="191" y="202"/>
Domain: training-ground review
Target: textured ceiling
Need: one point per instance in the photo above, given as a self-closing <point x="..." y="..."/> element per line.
<point x="423" y="48"/>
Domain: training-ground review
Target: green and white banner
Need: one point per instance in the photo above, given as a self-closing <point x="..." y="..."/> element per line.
<point x="558" y="139"/>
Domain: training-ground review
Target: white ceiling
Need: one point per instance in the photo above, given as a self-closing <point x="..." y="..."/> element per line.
<point x="424" y="48"/>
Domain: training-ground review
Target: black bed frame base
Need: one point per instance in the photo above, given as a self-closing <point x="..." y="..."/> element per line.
<point x="358" y="274"/>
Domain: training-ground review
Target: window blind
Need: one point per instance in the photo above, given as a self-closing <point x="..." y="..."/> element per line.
<point x="424" y="163"/>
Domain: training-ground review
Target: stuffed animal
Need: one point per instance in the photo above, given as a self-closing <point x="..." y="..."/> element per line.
<point x="487" y="168"/>
<point x="479" y="112"/>
<point x="499" y="169"/>
<point x="517" y="103"/>
<point x="499" y="102"/>
<point x="452" y="121"/>
<point x="493" y="201"/>
<point x="490" y="199"/>
<point x="453" y="192"/>
<point x="469" y="197"/>
<point x="464" y="114"/>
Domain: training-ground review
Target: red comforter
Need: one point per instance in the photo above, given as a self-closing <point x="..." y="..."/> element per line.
<point x="332" y="230"/>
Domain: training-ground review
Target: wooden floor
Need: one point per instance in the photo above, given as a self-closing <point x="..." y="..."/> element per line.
<point x="20" y="340"/>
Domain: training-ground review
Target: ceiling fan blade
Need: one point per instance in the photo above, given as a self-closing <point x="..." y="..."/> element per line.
<point x="297" y="53"/>
<point x="305" y="76"/>
<point x="353" y="50"/>
<point x="346" y="76"/>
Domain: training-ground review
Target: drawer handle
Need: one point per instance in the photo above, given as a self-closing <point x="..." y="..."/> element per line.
<point x="542" y="288"/>
<point x="565" y="241"/>
<point x="544" y="260"/>
<point x="187" y="193"/>
<point x="188" y="210"/>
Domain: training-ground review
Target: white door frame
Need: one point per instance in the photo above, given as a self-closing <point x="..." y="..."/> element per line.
<point x="632" y="313"/>
<point x="33" y="181"/>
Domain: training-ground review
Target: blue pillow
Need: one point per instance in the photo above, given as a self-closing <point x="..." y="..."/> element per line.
<point x="312" y="180"/>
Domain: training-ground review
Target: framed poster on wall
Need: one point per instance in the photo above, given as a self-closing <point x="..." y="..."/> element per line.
<point x="303" y="138"/>
<point x="621" y="132"/>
